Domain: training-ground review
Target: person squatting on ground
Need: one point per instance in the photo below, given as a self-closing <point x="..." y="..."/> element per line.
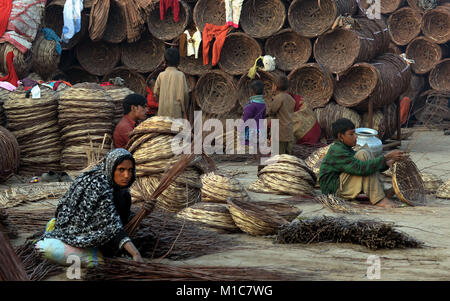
<point x="171" y="90"/>
<point x="134" y="109"/>
<point x="347" y="173"/>
<point x="89" y="219"/>
<point x="281" y="107"/>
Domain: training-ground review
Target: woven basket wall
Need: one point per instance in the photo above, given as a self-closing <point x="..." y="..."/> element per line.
<point x="133" y="80"/>
<point x="244" y="90"/>
<point x="22" y="62"/>
<point x="191" y="65"/>
<point x="314" y="83"/>
<point x="341" y="48"/>
<point x="436" y="24"/>
<point x="404" y="25"/>
<point x="209" y="11"/>
<point x="425" y="53"/>
<point x="215" y="92"/>
<point x="384" y="121"/>
<point x="239" y="53"/>
<point x="10" y="158"/>
<point x="144" y="55"/>
<point x="440" y="76"/>
<point x="168" y="29"/>
<point x="98" y="58"/>
<point x="431" y="108"/>
<point x="331" y="112"/>
<point x="77" y="74"/>
<point x="289" y="48"/>
<point x="262" y="18"/>
<point x="116" y="28"/>
<point x="386" y="6"/>
<point x="117" y="95"/>
<point x="45" y="56"/>
<point x="392" y="48"/>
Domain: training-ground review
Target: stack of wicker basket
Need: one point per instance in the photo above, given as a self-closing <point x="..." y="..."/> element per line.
<point x="85" y="116"/>
<point x="151" y="145"/>
<point x="117" y="95"/>
<point x="34" y="123"/>
<point x="10" y="159"/>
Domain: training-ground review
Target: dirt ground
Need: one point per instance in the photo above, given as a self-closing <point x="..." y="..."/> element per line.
<point x="331" y="261"/>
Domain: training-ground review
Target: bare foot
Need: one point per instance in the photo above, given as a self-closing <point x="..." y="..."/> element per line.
<point x="386" y="203"/>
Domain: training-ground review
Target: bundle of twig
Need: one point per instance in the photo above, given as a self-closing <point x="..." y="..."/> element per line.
<point x="98" y="19"/>
<point x="335" y="203"/>
<point x="162" y="234"/>
<point x="122" y="269"/>
<point x="11" y="269"/>
<point x="30" y="221"/>
<point x="136" y="12"/>
<point x="371" y="234"/>
<point x="7" y="226"/>
<point x="36" y="267"/>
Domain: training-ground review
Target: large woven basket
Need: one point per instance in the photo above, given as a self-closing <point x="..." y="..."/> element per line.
<point x="436" y="24"/>
<point x="54" y="19"/>
<point x="311" y="18"/>
<point x="384" y="121"/>
<point x="289" y="48"/>
<point x="168" y="29"/>
<point x="22" y="62"/>
<point x="254" y="219"/>
<point x="239" y="53"/>
<point x="440" y="76"/>
<point x="392" y="48"/>
<point x="217" y="188"/>
<point x="408" y="184"/>
<point x="425" y="53"/>
<point x="431" y="182"/>
<point x="315" y="159"/>
<point x="340" y="49"/>
<point x="215" y="92"/>
<point x="386" y="6"/>
<point x="98" y="58"/>
<point x="45" y="56"/>
<point x="10" y="158"/>
<point x="313" y="82"/>
<point x="404" y="25"/>
<point x="116" y="28"/>
<point x="431" y="108"/>
<point x="191" y="65"/>
<point x="209" y="11"/>
<point x="144" y="55"/>
<point x="76" y="74"/>
<point x="133" y="80"/>
<point x="331" y="112"/>
<point x="244" y="90"/>
<point x="262" y="18"/>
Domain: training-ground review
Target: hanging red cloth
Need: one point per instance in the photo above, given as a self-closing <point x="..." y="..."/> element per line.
<point x="5" y="12"/>
<point x="164" y="5"/>
<point x="405" y="105"/>
<point x="306" y="128"/>
<point x="211" y="31"/>
<point x="152" y="104"/>
<point x="11" y="77"/>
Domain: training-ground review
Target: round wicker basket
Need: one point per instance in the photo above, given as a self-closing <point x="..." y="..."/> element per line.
<point x="191" y="65"/>
<point x="440" y="76"/>
<point x="314" y="83"/>
<point x="341" y="48"/>
<point x="431" y="108"/>
<point x="98" y="58"/>
<point x="10" y="159"/>
<point x="436" y="24"/>
<point x="22" y="62"/>
<point x="144" y="55"/>
<point x="289" y="48"/>
<point x="168" y="29"/>
<point x="254" y="219"/>
<point x="330" y="113"/>
<point x="45" y="56"/>
<point x="218" y="188"/>
<point x="443" y="191"/>
<point x="386" y="6"/>
<point x="209" y="11"/>
<point x="315" y="159"/>
<point x="384" y="121"/>
<point x="262" y="18"/>
<point x="408" y="184"/>
<point x="116" y="27"/>
<point x="404" y="25"/>
<point x="77" y="74"/>
<point x="133" y="80"/>
<point x="239" y="53"/>
<point x="215" y="92"/>
<point x="425" y="53"/>
<point x="244" y="90"/>
<point x="431" y="182"/>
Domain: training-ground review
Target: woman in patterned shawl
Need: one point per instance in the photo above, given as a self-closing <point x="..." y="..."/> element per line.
<point x="93" y="212"/>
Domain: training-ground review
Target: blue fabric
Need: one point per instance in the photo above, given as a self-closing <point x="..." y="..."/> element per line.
<point x="256" y="99"/>
<point x="50" y="35"/>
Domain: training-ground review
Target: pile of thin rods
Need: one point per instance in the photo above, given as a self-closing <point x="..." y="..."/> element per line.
<point x="11" y="269"/>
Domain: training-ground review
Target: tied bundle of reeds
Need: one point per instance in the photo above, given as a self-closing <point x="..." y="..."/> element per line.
<point x="371" y="234"/>
<point x="123" y="269"/>
<point x="443" y="191"/>
<point x="219" y="187"/>
<point x="287" y="175"/>
<point x="30" y="220"/>
<point x="11" y="268"/>
<point x="334" y="203"/>
<point x="315" y="159"/>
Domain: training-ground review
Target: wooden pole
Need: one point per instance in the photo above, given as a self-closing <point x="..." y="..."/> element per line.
<point x="397" y="117"/>
<point x="370" y="113"/>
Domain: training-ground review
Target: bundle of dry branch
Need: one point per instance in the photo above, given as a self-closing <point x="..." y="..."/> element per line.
<point x="11" y="269"/>
<point x="371" y="234"/>
<point x="7" y="226"/>
<point x="30" y="221"/>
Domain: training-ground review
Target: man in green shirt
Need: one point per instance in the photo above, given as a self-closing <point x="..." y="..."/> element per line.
<point x="347" y="173"/>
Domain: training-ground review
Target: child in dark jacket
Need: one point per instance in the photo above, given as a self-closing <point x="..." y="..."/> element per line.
<point x="256" y="110"/>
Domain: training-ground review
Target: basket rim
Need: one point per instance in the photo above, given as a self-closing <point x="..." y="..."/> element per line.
<point x="196" y="11"/>
<point x="413" y="14"/>
<point x="127" y="50"/>
<point x="268" y="33"/>
<point x="425" y="19"/>
<point x="432" y="76"/>
<point x="173" y="35"/>
<point x="116" y="49"/>
<point x="430" y="42"/>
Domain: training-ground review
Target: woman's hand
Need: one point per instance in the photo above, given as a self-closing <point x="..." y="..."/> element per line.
<point x="138" y="258"/>
<point x="395" y="155"/>
<point x="133" y="251"/>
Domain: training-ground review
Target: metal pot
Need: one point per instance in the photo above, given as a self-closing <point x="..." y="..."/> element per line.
<point x="369" y="137"/>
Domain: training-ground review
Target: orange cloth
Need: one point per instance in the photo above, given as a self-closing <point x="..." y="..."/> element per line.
<point x="11" y="77"/>
<point x="405" y="105"/>
<point x="209" y="32"/>
<point x="152" y="104"/>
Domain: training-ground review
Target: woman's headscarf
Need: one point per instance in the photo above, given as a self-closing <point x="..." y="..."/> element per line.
<point x="86" y="215"/>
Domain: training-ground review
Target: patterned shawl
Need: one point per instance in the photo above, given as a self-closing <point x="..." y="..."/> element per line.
<point x="86" y="215"/>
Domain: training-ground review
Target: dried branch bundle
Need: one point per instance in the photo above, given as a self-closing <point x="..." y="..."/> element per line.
<point x="11" y="269"/>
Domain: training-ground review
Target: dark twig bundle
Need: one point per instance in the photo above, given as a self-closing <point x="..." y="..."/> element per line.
<point x="30" y="221"/>
<point x="7" y="226"/>
<point x="123" y="269"/>
<point x="11" y="269"/>
<point x="371" y="234"/>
